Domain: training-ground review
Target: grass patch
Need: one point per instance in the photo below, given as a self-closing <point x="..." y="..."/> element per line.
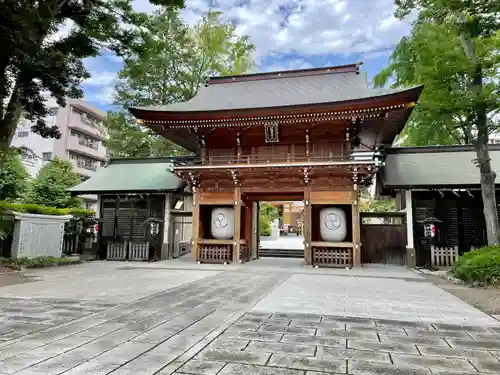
<point x="36" y="262"/>
<point x="479" y="267"/>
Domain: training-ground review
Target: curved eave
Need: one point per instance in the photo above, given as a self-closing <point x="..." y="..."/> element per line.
<point x="125" y="192"/>
<point x="404" y="96"/>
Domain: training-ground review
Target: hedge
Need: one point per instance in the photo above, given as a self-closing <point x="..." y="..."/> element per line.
<point x="481" y="266"/>
<point x="44" y="210"/>
<point x="36" y="262"/>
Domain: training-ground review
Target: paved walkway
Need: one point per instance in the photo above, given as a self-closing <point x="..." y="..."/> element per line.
<point x="269" y="317"/>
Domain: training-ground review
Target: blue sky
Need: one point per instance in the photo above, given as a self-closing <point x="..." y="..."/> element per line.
<point x="288" y="34"/>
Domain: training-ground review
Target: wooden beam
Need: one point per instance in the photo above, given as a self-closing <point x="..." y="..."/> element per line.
<point x="196" y="223"/>
<point x="237" y="224"/>
<point x="307" y="225"/>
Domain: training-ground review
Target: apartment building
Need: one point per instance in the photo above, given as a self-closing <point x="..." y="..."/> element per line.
<point x="81" y="141"/>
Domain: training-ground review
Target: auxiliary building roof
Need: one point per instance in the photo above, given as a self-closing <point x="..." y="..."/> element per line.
<point x="145" y="175"/>
<point x="434" y="167"/>
<point x="279" y="89"/>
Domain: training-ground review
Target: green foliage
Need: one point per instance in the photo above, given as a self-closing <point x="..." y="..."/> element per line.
<point x="453" y="50"/>
<point x="13" y="178"/>
<point x="368" y="204"/>
<point x="264" y="226"/>
<point x="44" y="210"/>
<point x="126" y="138"/>
<point x="479" y="266"/>
<point x="174" y="61"/>
<point x="433" y="56"/>
<point x="269" y="211"/>
<point x="41" y="59"/>
<point x="37" y="262"/>
<point x="50" y="187"/>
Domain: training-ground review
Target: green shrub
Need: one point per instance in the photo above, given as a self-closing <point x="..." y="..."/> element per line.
<point x="264" y="226"/>
<point x="36" y="262"/>
<point x="479" y="266"/>
<point x="31" y="208"/>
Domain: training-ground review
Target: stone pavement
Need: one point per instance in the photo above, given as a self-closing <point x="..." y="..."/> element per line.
<point x="241" y="321"/>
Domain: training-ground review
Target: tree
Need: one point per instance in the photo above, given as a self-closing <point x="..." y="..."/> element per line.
<point x="37" y="59"/>
<point x="368" y="204"/>
<point x="175" y="62"/>
<point x="50" y="187"/>
<point x="453" y="51"/>
<point x="126" y="138"/>
<point x="13" y="178"/>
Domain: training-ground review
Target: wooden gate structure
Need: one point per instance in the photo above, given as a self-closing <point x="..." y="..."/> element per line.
<point x="313" y="133"/>
<point x="383" y="237"/>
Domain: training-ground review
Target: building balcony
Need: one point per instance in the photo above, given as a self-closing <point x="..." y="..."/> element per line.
<point x="84" y="169"/>
<point x="85" y="125"/>
<point x="82" y="146"/>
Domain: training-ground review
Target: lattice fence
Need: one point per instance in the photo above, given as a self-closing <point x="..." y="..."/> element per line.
<point x="138" y="251"/>
<point x="116" y="251"/>
<point x="215" y="253"/>
<point x="443" y="256"/>
<point x="332" y="257"/>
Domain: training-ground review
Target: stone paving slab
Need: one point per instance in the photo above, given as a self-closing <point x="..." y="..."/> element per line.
<point x="387" y="299"/>
<point x="213" y="326"/>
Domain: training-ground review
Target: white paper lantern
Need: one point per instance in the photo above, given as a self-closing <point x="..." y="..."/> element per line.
<point x="222" y="223"/>
<point x="333" y="224"/>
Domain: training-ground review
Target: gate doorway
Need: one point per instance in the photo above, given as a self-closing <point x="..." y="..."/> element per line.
<point x="281" y="229"/>
<point x="383" y="238"/>
<point x="273" y="229"/>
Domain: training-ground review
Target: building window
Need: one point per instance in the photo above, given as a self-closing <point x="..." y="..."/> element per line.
<point x="23" y="134"/>
<point x="84" y="161"/>
<point x="47" y="156"/>
<point x="53" y="111"/>
<point x="86" y="141"/>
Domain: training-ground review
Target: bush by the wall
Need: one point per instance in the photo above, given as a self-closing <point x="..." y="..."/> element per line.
<point x="264" y="226"/>
<point x="44" y="210"/>
<point x="36" y="262"/>
<point x="479" y="266"/>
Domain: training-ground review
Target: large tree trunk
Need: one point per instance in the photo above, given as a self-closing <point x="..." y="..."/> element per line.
<point x="9" y="122"/>
<point x="483" y="155"/>
<point x="488" y="194"/>
<point x="488" y="176"/>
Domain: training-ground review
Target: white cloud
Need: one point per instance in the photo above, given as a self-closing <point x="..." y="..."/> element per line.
<point x="310" y="27"/>
<point x="103" y="96"/>
<point x="288" y="34"/>
<point x="99" y="78"/>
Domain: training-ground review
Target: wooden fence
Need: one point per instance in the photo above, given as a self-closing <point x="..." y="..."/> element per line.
<point x="443" y="256"/>
<point x="136" y="251"/>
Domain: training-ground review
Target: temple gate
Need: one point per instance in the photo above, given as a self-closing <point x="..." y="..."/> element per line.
<point x="313" y="135"/>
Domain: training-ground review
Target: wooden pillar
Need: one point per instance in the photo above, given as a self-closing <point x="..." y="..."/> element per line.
<point x="307" y="225"/>
<point x="196" y="223"/>
<point x="356" y="232"/>
<point x="308" y="150"/>
<point x="411" y="259"/>
<point x="237" y="224"/>
<point x="238" y="146"/>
